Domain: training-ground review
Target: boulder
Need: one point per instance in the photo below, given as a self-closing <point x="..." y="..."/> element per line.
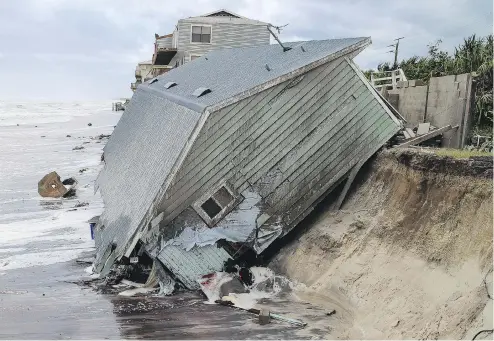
<point x="51" y="186"/>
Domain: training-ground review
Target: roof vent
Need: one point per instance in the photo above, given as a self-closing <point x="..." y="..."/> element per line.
<point x="201" y="92"/>
<point x="153" y="81"/>
<point x="268" y="68"/>
<point x="302" y="48"/>
<point x="170" y="85"/>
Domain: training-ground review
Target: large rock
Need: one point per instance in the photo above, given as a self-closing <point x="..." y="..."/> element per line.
<point x="51" y="186"/>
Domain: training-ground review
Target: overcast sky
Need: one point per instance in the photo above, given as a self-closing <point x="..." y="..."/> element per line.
<point x="87" y="49"/>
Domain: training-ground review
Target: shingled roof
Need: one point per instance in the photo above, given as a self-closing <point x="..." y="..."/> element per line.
<point x="228" y="73"/>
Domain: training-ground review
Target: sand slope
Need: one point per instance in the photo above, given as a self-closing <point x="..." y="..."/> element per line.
<point x="408" y="253"/>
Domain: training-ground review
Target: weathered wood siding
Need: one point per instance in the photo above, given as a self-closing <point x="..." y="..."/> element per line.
<point x="224" y="35"/>
<point x="289" y="142"/>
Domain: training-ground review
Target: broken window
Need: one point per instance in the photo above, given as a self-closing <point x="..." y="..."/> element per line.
<point x="201" y="34"/>
<point x="213" y="208"/>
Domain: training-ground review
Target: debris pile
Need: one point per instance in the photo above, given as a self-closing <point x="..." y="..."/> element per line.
<point x="424" y="134"/>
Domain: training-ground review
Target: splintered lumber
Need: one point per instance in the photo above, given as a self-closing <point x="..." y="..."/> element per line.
<point x="259" y="312"/>
<point x="425" y="137"/>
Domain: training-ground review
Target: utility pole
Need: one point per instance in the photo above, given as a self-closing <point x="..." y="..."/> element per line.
<point x="396" y="46"/>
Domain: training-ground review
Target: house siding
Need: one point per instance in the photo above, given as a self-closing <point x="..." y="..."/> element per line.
<point x="188" y="266"/>
<point x="289" y="142"/>
<point x="224" y="35"/>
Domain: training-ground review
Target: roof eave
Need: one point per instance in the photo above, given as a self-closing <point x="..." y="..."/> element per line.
<point x="221" y="10"/>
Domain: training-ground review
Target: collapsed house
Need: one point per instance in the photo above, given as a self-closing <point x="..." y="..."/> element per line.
<point x="232" y="150"/>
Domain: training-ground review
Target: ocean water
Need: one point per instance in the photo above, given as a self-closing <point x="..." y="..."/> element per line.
<point x="33" y="142"/>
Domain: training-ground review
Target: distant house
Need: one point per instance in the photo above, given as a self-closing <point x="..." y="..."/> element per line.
<point x="143" y="72"/>
<point x="195" y="36"/>
<point x="237" y="146"/>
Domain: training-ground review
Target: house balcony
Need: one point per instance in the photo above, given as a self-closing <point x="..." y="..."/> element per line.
<point x="160" y="69"/>
<point x="163" y="55"/>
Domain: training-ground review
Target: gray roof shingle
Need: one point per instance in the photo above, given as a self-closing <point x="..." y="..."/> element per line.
<point x="229" y="72"/>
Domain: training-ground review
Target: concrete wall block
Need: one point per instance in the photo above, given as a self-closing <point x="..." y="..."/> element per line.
<point x="415" y="82"/>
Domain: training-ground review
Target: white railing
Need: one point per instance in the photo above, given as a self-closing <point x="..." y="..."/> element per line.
<point x="390" y="79"/>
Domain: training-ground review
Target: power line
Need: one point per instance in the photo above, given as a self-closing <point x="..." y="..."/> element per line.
<point x="396" y="46"/>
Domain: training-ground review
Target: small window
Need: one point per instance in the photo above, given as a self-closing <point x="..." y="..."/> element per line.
<point x="211" y="208"/>
<point x="201" y="34"/>
<point x="217" y="203"/>
<point x="223" y="197"/>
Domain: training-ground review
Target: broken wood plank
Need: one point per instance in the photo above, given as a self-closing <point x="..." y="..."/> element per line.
<point x="423" y="128"/>
<point x="348" y="183"/>
<point x="410" y="132"/>
<point x="425" y="137"/>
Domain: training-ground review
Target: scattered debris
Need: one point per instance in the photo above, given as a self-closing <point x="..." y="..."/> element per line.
<point x="489" y="331"/>
<point x="68" y="136"/>
<point x="51" y="186"/>
<point x="81" y="204"/>
<point x="408" y="133"/>
<point x="82" y="170"/>
<point x="88" y="260"/>
<point x="70" y="193"/>
<point x="87" y="142"/>
<point x="103" y="136"/>
<point x="69" y="181"/>
<point x="118" y="106"/>
<point x="89" y="124"/>
<point x="274" y="316"/>
<point x="78" y="148"/>
<point x="92" y="224"/>
<point x="43" y="136"/>
<point x="425" y="137"/>
<point x="264" y="317"/>
<point x="332" y="312"/>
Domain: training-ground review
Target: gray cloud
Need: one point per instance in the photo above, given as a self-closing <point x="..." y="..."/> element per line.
<point x="87" y="49"/>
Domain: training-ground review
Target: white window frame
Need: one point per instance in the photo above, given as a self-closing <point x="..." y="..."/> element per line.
<point x="201" y="25"/>
<point x="211" y="222"/>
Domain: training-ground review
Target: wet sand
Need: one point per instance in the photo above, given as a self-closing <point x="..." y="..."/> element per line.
<point x="43" y="303"/>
